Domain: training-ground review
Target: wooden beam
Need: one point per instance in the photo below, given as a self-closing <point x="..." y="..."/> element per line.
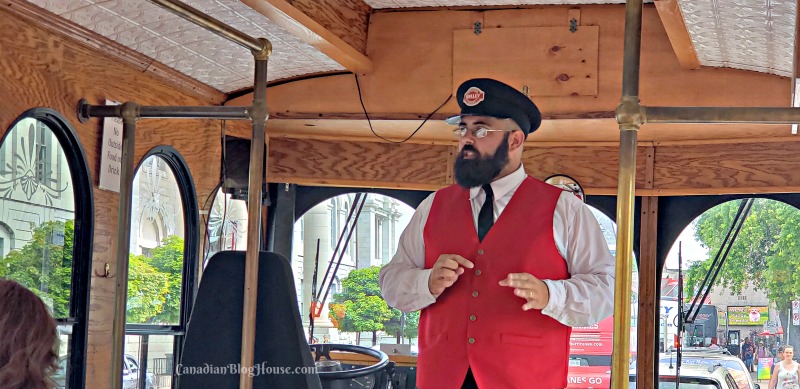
<point x="648" y="319"/>
<point x="671" y="16"/>
<point x="348" y="19"/>
<point x="312" y="32"/>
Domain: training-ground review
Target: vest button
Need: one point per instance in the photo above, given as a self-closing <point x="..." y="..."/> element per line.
<point x="480" y="252"/>
<point x="477" y="272"/>
<point x="473" y="317"/>
<point x="471" y="340"/>
<point x="475" y="294"/>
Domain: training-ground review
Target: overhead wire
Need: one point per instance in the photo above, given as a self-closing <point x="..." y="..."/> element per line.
<point x="369" y="121"/>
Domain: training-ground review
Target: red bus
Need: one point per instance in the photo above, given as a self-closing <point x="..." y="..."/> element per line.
<point x="590" y="355"/>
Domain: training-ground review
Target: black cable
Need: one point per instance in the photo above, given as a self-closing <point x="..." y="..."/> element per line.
<point x="207" y="240"/>
<point x="369" y="122"/>
<point x="213" y="193"/>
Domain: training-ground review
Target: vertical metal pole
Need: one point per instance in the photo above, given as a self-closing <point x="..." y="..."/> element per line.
<point x="629" y="118"/>
<point x="795" y="64"/>
<point x="129" y="116"/>
<point x="258" y="114"/>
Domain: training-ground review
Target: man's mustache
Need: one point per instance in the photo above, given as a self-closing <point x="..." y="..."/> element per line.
<point x="469" y="148"/>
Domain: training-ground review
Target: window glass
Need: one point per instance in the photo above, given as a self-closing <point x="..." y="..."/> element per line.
<point x="227" y="225"/>
<point x="37" y="223"/>
<point x="156" y="276"/>
<point x="368" y="241"/>
<point x="155" y="270"/>
<point x="153" y="354"/>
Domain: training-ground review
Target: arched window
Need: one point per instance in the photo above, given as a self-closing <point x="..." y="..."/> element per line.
<point x="46" y="222"/>
<point x="162" y="268"/>
<point x="365" y="250"/>
<point x="226" y="228"/>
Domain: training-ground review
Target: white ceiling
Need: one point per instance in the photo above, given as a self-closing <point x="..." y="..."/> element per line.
<point x="190" y="49"/>
<point x="742" y="34"/>
<point x="753" y="35"/>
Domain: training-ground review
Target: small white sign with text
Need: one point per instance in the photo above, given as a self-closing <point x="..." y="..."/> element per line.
<point x="111" y="155"/>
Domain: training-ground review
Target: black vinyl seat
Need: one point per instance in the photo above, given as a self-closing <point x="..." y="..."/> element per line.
<point x="213" y="343"/>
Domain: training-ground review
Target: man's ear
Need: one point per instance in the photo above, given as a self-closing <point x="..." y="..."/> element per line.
<point x="516" y="140"/>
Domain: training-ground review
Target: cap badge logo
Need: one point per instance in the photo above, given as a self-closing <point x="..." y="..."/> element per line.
<point x="473" y="96"/>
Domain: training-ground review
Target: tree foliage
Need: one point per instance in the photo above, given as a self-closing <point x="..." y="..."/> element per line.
<point x="154" y="284"/>
<point x="147" y="290"/>
<point x="765" y="253"/>
<point x="168" y="259"/>
<point x="360" y="307"/>
<point x="44" y="265"/>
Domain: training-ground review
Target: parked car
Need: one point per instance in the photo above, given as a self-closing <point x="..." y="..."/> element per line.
<point x="710" y="358"/>
<point x="130" y="374"/>
<point x="692" y="377"/>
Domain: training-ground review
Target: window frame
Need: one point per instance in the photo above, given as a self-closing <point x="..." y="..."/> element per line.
<point x="83" y="238"/>
<point x="191" y="253"/>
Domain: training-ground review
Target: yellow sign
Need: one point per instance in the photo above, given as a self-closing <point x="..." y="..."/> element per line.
<point x="748" y="316"/>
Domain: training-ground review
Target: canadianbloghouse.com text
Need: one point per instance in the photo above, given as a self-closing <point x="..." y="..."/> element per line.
<point x="236" y="368"/>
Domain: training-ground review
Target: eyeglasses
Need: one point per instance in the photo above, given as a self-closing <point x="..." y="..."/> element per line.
<point x="480" y="132"/>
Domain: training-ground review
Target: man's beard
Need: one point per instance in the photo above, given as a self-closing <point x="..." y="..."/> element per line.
<point x="481" y="170"/>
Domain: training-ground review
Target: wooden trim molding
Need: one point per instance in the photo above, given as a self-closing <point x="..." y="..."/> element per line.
<point x="58" y="25"/>
<point x="310" y="31"/>
<point x="671" y="16"/>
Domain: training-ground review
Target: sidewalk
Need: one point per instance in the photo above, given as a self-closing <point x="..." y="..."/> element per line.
<point x="762" y="383"/>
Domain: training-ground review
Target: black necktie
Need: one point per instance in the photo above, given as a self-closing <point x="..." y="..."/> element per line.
<point x="486" y="215"/>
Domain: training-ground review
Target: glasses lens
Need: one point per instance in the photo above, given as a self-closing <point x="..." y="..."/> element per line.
<point x="459" y="132"/>
<point x="481" y="132"/>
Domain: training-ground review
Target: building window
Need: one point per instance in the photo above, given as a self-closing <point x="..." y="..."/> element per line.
<point x="378" y="237"/>
<point x="334" y="223"/>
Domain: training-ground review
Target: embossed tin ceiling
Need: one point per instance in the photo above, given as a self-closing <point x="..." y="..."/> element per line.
<point x="190" y="49"/>
<point x="742" y="34"/>
<point x="753" y="35"/>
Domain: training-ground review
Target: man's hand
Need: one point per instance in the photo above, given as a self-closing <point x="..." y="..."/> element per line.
<point x="445" y="272"/>
<point x="530" y="288"/>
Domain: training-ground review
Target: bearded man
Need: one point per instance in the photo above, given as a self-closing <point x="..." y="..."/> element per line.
<point x="500" y="264"/>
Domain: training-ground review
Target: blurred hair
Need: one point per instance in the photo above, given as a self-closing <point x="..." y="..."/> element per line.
<point x="28" y="339"/>
<point x="783" y="347"/>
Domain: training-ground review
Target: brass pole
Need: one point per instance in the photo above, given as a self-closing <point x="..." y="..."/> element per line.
<point x="623" y="281"/>
<point x="129" y="116"/>
<point x="258" y="114"/>
<point x="195" y="16"/>
<point x="629" y="118"/>
<point x="86" y="111"/>
<point x="762" y="115"/>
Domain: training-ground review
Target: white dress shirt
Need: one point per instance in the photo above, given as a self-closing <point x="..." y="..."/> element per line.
<point x="581" y="300"/>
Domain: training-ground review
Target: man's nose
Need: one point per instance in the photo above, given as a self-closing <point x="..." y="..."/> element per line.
<point x="468" y="138"/>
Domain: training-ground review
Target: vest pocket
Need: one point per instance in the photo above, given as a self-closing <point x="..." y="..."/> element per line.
<point x="521" y="340"/>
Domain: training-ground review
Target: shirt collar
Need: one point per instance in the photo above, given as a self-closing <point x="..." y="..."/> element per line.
<point x="501" y="186"/>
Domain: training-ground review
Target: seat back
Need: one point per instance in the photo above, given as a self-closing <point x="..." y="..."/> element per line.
<point x="212" y="347"/>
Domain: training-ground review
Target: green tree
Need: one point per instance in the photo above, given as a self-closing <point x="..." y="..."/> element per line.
<point x="364" y="308"/>
<point x="147" y="290"/>
<point x="168" y="259"/>
<point x="765" y="253"/>
<point x="409" y="329"/>
<point x="44" y="264"/>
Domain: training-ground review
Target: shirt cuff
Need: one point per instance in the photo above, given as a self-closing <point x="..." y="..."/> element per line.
<point x="422" y="289"/>
<point x="557" y="301"/>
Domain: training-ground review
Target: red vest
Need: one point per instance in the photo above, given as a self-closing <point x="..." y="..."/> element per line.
<point x="478" y="324"/>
